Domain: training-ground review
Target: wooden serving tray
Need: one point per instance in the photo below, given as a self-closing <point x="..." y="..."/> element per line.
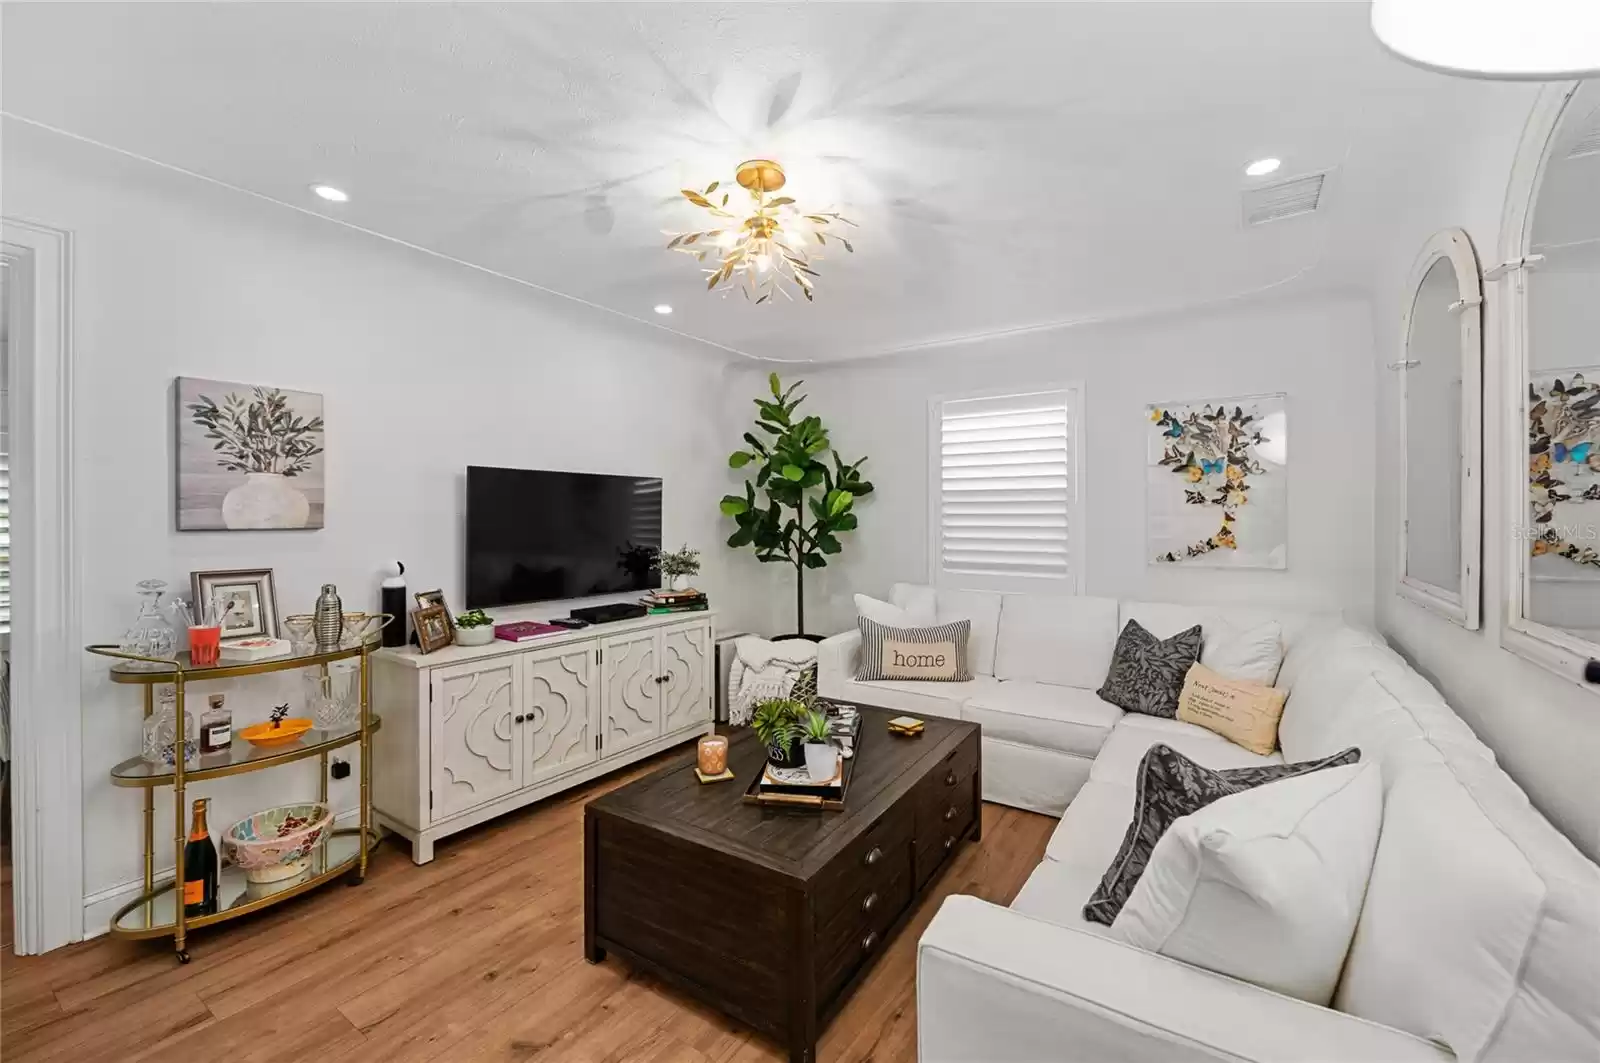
<point x="823" y="797"/>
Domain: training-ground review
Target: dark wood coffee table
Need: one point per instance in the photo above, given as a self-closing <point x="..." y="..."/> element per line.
<point x="774" y="915"/>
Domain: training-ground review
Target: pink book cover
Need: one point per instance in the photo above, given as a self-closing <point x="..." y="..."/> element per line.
<point x="523" y="630"/>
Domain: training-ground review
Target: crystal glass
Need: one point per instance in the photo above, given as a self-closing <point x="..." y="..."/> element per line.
<point x="298" y="628"/>
<point x="333" y="695"/>
<point x="150" y="635"/>
<point x="357" y="626"/>
<point x="160" y="732"/>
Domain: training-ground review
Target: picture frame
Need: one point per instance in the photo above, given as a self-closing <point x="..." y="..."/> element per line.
<point x="436" y="597"/>
<point x="247" y="457"/>
<point x="252" y="597"/>
<point x="434" y="631"/>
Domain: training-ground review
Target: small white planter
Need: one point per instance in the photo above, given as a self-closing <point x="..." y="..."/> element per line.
<point x="475" y="636"/>
<point x="822" y="760"/>
<point x="680" y="583"/>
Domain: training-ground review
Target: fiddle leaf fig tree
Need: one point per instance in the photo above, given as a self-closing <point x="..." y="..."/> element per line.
<point x="808" y="491"/>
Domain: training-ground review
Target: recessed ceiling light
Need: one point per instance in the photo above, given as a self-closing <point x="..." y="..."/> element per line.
<point x="663" y="308"/>
<point x="1262" y="167"/>
<point x="330" y="193"/>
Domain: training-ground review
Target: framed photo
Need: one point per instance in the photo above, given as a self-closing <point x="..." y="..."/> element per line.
<point x="433" y="627"/>
<point x="426" y="599"/>
<point x="248" y="599"/>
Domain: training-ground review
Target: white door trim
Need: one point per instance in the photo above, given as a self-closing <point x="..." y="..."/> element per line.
<point x="46" y="667"/>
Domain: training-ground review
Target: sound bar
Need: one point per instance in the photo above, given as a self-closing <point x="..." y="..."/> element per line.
<point x="605" y="614"/>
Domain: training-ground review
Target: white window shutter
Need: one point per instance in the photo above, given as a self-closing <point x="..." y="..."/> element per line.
<point x="1006" y="489"/>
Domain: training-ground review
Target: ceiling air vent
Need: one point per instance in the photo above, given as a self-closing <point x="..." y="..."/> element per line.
<point x="1588" y="142"/>
<point x="1283" y="200"/>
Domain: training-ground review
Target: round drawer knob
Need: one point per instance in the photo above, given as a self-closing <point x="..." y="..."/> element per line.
<point x="520" y="718"/>
<point x="874" y="856"/>
<point x="950" y="813"/>
<point x="869" y="941"/>
<point x="949" y="843"/>
<point x="869" y="902"/>
<point x="950" y="779"/>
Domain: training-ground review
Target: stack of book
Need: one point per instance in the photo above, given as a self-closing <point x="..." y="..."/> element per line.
<point x="666" y="601"/>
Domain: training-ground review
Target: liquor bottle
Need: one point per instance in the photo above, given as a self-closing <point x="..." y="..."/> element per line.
<point x="216" y="727"/>
<point x="199" y="867"/>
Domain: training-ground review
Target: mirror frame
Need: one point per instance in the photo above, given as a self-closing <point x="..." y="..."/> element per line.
<point x="1460" y="606"/>
<point x="1550" y="647"/>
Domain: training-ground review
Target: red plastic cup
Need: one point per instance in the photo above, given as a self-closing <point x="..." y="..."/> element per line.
<point x="205" y="645"/>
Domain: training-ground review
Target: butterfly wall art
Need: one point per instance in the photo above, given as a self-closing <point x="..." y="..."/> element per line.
<point x="1564" y="471"/>
<point x="1216" y="483"/>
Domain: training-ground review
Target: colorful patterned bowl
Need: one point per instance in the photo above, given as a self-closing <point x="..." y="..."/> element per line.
<point x="277" y="844"/>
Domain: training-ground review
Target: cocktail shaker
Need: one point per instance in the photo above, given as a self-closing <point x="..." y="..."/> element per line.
<point x="329" y="622"/>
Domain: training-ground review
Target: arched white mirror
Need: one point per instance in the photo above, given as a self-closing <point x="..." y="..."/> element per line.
<point x="1552" y="273"/>
<point x="1441" y="417"/>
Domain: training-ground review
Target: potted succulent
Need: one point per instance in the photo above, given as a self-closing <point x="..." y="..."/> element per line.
<point x="678" y="565"/>
<point x="822" y="756"/>
<point x="474" y="628"/>
<point x="777" y="724"/>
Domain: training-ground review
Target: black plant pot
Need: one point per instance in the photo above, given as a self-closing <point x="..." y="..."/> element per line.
<point x="791" y="637"/>
<point x="793" y="756"/>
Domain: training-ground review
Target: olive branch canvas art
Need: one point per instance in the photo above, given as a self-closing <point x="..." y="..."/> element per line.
<point x="1216" y="483"/>
<point x="248" y="456"/>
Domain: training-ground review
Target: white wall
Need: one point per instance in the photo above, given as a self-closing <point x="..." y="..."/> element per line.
<point x="1317" y="351"/>
<point x="425" y="367"/>
<point x="1544" y="730"/>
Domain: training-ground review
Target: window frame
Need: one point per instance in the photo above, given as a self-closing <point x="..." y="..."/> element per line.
<point x="1074" y="582"/>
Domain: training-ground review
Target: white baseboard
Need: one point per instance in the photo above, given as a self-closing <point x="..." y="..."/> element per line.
<point x="98" y="908"/>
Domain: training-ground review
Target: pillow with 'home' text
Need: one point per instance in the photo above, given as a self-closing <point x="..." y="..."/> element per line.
<point x="935" y="654"/>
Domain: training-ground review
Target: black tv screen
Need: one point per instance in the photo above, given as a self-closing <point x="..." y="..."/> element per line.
<point x="534" y="536"/>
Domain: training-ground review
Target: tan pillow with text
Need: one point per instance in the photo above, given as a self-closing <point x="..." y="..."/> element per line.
<point x="1243" y="712"/>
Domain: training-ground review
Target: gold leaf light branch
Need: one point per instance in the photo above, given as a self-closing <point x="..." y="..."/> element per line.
<point x="758" y="250"/>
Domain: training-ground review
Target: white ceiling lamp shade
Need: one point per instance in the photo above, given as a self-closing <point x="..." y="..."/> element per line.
<point x="1527" y="40"/>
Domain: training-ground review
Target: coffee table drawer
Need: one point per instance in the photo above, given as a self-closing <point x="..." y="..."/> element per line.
<point x="950" y="777"/>
<point x="939" y="827"/>
<point x="853" y="941"/>
<point x="877" y="856"/>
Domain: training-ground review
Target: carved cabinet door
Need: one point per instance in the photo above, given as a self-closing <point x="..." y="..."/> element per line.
<point x="477" y="747"/>
<point x="563" y="699"/>
<point x="630" y="711"/>
<point x="686" y="664"/>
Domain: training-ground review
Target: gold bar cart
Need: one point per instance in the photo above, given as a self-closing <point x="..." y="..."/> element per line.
<point x="157" y="911"/>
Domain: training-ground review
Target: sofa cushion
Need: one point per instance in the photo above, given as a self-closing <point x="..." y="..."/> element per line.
<point x="1147" y="673"/>
<point x="980" y="607"/>
<point x="1168" y="618"/>
<point x="1317" y="643"/>
<point x="1055" y="892"/>
<point x="1037" y="714"/>
<point x="926" y="654"/>
<point x="1061" y="639"/>
<point x="1168" y="786"/>
<point x="1264" y="885"/>
<point x="1450" y="915"/>
<point x="1092" y="827"/>
<point x="1118" y="760"/>
<point x="915" y="613"/>
<point x="915" y="697"/>
<point x="1252" y="654"/>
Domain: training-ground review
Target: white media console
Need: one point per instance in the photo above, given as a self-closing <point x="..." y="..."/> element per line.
<point x="470" y="733"/>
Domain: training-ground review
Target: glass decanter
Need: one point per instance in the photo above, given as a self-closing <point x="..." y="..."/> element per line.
<point x="150" y="635"/>
<point x="160" y="732"/>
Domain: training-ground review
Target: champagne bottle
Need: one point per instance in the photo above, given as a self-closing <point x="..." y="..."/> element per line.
<point x="199" y="867"/>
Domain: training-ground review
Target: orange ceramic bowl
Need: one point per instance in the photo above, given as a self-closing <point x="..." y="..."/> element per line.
<point x="267" y="736"/>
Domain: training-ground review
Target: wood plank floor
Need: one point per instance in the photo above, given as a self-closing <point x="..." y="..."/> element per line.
<point x="477" y="956"/>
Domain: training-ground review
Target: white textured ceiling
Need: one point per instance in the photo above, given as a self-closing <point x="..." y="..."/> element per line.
<point x="1011" y="166"/>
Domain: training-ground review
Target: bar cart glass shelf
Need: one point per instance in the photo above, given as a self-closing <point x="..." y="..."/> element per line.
<point x="155" y="912"/>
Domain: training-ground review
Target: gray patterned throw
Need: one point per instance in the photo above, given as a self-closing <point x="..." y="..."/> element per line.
<point x="1170" y="785"/>
<point x="1147" y="673"/>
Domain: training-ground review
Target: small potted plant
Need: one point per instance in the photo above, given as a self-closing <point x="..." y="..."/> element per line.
<point x="678" y="565"/>
<point x="822" y="756"/>
<point x="777" y="724"/>
<point x="474" y="628"/>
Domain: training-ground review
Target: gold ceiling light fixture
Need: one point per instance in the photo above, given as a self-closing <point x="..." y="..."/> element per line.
<point x="759" y="248"/>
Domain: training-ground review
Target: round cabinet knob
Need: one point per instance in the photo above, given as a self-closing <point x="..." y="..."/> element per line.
<point x="950" y="813"/>
<point x="869" y="902"/>
<point x="874" y="856"/>
<point x="869" y="941"/>
<point x="949" y="843"/>
<point x="519" y="718"/>
<point x="950" y="779"/>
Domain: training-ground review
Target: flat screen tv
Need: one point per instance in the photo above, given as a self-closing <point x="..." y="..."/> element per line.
<point x="534" y="536"/>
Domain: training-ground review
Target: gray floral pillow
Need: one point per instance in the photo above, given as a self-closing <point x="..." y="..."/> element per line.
<point x="1170" y="785"/>
<point x="1147" y="673"/>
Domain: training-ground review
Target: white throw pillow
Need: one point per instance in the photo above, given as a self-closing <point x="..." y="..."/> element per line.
<point x="1254" y="654"/>
<point x="916" y="614"/>
<point x="1264" y="885"/>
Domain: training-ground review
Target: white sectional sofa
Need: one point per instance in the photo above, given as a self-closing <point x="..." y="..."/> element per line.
<point x="1479" y="934"/>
